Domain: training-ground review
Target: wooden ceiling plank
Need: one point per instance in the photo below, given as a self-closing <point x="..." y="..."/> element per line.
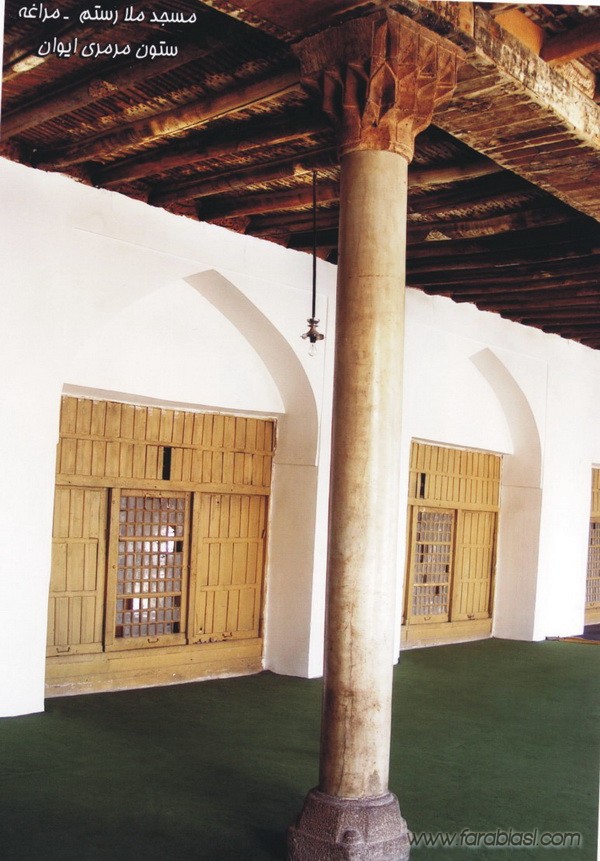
<point x="92" y="89"/>
<point x="502" y="251"/>
<point x="555" y="302"/>
<point x="272" y="225"/>
<point x="576" y="236"/>
<point x="303" y="241"/>
<point x="301" y="162"/>
<point x="21" y="57"/>
<point x="539" y="93"/>
<point x="459" y="172"/>
<point x="479" y="227"/>
<point x="489" y="189"/>
<point x="547" y="259"/>
<point x="294" y="198"/>
<point x="509" y="291"/>
<point x="493" y="278"/>
<point x="174" y="121"/>
<point x="241" y="138"/>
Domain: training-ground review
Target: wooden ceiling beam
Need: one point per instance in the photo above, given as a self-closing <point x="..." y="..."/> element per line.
<point x="486" y="190"/>
<point x="21" y="57"/>
<point x="174" y="121"/>
<point x="570" y="330"/>
<point x="510" y="294"/>
<point x="83" y="93"/>
<point x="541" y="320"/>
<point x="288" y="222"/>
<point x="490" y="280"/>
<point x="168" y="193"/>
<point x="254" y="204"/>
<point x="510" y="249"/>
<point x="549" y="260"/>
<point x="479" y="227"/>
<point x="554" y="304"/>
<point x="284" y="168"/>
<point x="240" y="139"/>
<point x="303" y="241"/>
<point x="474" y="168"/>
<point x="572" y="44"/>
<point x="502" y="78"/>
<point x="580" y="237"/>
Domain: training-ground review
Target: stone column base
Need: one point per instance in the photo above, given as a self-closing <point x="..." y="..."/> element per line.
<point x="349" y="829"/>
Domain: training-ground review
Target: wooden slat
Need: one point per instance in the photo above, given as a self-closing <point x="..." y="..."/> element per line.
<point x="473" y="566"/>
<point x="453" y="476"/>
<point x="77" y="574"/>
<point x="231" y="534"/>
<point x="464" y="485"/>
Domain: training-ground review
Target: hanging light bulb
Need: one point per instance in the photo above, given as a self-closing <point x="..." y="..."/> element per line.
<point x="313" y="334"/>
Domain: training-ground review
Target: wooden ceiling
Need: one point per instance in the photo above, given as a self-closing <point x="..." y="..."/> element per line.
<point x="504" y="199"/>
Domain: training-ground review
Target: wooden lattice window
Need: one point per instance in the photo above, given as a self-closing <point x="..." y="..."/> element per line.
<point x="454" y="502"/>
<point x="592" y="594"/>
<point x="149" y="555"/>
<point x="159" y="538"/>
<point x="431" y="564"/>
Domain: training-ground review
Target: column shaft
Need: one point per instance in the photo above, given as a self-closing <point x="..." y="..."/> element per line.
<point x="362" y="564"/>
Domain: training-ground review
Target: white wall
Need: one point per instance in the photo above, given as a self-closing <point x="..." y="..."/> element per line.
<point x="476" y="380"/>
<point x="104" y="295"/>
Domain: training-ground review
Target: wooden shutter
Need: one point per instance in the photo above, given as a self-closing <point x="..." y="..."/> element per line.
<point x="450" y="579"/>
<point x="229" y="549"/>
<point x="76" y="600"/>
<point x="474" y="563"/>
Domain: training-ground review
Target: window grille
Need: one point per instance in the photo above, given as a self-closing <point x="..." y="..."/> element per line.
<point x="592" y="596"/>
<point x="151" y="565"/>
<point x="432" y="562"/>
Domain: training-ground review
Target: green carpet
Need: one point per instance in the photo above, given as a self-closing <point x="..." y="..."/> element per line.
<point x="487" y="736"/>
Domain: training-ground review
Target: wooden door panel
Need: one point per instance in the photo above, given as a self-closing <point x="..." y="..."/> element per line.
<point x="230" y="532"/>
<point x="78" y="571"/>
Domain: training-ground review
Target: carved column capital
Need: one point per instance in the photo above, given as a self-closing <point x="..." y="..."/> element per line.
<point x="380" y="78"/>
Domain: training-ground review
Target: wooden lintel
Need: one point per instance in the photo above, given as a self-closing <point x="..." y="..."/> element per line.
<point x="174" y="121"/>
<point x="573" y="44"/>
<point x="517" y="95"/>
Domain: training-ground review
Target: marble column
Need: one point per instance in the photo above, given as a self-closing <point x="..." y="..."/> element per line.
<point x="380" y="78"/>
